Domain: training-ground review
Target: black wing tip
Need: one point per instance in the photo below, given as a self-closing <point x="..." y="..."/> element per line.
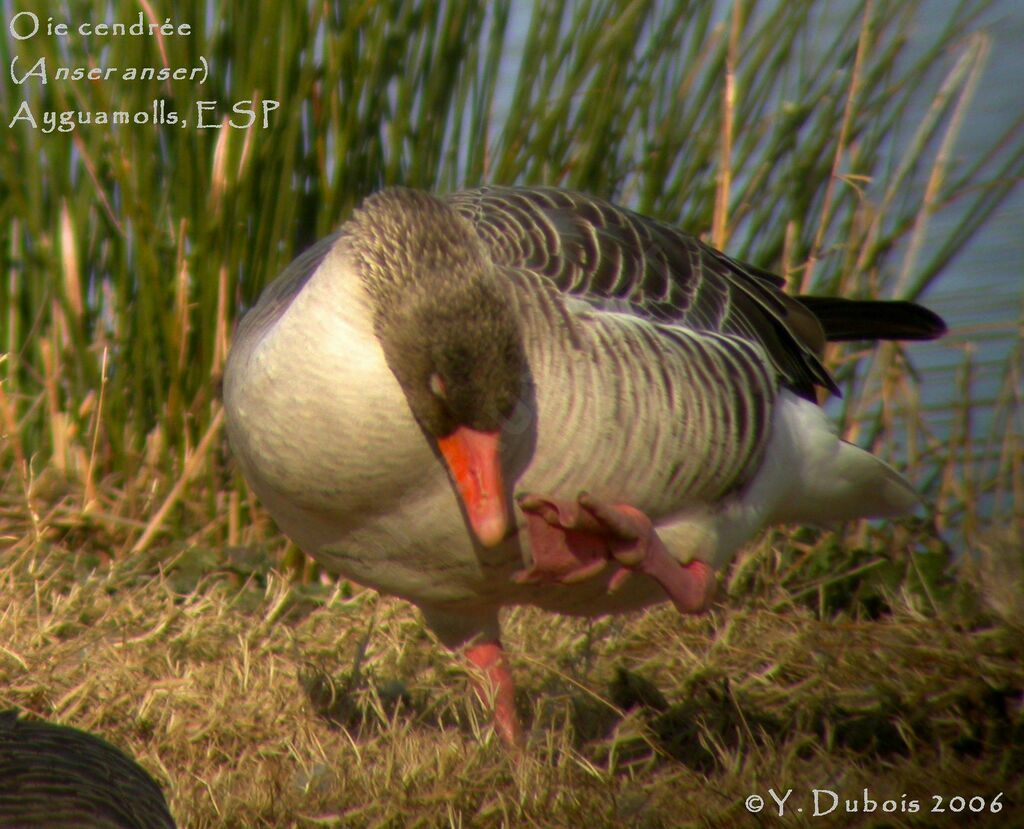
<point x="874" y="319"/>
<point x="918" y="322"/>
<point x="936" y="325"/>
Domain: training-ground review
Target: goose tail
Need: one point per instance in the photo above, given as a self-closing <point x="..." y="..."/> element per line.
<point x="814" y="477"/>
<point x="854" y="484"/>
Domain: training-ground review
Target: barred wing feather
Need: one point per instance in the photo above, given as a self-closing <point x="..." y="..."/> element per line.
<point x="616" y="259"/>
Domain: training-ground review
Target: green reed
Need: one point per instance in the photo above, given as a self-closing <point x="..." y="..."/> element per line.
<point x="129" y="251"/>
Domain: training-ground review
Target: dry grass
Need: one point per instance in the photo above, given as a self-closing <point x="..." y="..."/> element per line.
<point x="260" y="700"/>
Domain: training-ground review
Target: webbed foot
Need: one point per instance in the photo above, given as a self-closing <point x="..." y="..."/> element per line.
<point x="575" y="540"/>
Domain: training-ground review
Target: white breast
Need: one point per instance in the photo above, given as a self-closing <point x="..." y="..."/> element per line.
<point x="326" y="439"/>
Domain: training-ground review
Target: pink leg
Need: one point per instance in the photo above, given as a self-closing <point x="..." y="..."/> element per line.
<point x="489" y="657"/>
<point x="573" y="540"/>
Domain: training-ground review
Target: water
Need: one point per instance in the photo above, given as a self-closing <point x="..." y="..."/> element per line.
<point x="981" y="294"/>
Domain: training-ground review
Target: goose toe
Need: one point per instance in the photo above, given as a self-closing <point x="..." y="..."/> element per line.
<point x="576" y="540"/>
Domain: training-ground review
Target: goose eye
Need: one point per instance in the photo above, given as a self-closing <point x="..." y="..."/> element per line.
<point x="437" y="386"/>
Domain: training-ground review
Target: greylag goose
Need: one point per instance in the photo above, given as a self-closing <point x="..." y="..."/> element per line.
<point x="527" y="396"/>
<point x="58" y="777"/>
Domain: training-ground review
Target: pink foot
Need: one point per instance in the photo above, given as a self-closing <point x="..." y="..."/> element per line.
<point x="489" y="657"/>
<point x="574" y="540"/>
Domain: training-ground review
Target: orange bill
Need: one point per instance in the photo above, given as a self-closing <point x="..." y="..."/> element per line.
<point x="473" y="458"/>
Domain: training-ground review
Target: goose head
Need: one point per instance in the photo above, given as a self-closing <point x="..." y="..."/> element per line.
<point x="449" y="336"/>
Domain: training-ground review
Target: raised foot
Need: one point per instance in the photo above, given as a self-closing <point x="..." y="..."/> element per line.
<point x="574" y="540"/>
